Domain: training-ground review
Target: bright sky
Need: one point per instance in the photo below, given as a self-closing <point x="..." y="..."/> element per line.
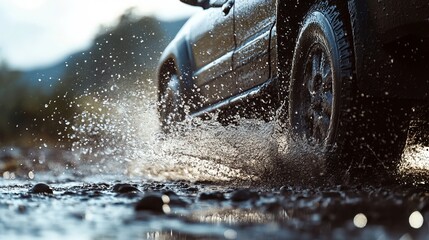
<point x="36" y="33"/>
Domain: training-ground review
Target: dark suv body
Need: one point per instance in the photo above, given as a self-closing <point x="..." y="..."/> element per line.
<point x="344" y="74"/>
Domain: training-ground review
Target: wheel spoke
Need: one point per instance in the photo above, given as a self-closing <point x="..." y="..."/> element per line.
<point x="324" y="125"/>
<point x="327" y="72"/>
<point x="320" y="126"/>
<point x="327" y="83"/>
<point x="327" y="103"/>
<point x="316" y="64"/>
<point x="316" y="127"/>
<point x="315" y="106"/>
<point x="309" y="82"/>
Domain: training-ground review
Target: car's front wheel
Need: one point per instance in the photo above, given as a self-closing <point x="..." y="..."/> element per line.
<point x="326" y="109"/>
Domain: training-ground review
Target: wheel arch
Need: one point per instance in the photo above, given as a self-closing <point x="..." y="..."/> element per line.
<point x="166" y="69"/>
<point x="176" y="59"/>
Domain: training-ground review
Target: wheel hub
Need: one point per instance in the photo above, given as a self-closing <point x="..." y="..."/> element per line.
<point x="319" y="98"/>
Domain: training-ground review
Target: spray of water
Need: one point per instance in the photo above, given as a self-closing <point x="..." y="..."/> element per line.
<point x="128" y="138"/>
<point x="121" y="135"/>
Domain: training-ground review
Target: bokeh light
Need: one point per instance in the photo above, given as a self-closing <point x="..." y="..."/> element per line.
<point x="416" y="220"/>
<point x="230" y="234"/>
<point x="360" y="220"/>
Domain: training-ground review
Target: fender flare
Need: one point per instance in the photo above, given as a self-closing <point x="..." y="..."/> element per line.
<point x="177" y="58"/>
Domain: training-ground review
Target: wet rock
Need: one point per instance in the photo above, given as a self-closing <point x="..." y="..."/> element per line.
<point x="183" y="185"/>
<point x="22" y="209"/>
<point x="243" y="195"/>
<point x="218" y="196"/>
<point x="124" y="188"/>
<point x="69" y="193"/>
<point x="192" y="189"/>
<point x="41" y="188"/>
<point x="78" y="215"/>
<point x="154" y="203"/>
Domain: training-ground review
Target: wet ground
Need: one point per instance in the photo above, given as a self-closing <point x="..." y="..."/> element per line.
<point x="52" y="201"/>
<point x="103" y="208"/>
<point x="207" y="182"/>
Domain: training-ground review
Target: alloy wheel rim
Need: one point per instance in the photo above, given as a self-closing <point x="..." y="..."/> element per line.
<point x="317" y="101"/>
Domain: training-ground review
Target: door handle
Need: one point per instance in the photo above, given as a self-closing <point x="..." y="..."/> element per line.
<point x="226" y="7"/>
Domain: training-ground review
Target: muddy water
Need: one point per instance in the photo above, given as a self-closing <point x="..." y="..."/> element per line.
<point x="123" y="179"/>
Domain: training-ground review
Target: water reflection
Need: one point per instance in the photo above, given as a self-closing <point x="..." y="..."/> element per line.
<point x="239" y="216"/>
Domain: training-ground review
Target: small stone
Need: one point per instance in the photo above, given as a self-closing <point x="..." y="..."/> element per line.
<point x="124" y="188"/>
<point x="155" y="203"/>
<point x="192" y="189"/>
<point x="243" y="195"/>
<point x="22" y="209"/>
<point x="218" y="196"/>
<point x="78" y="215"/>
<point x="41" y="188"/>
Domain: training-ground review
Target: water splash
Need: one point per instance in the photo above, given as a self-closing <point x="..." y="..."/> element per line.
<point x="121" y="135"/>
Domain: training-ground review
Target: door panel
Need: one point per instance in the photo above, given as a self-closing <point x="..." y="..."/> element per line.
<point x="253" y="22"/>
<point x="212" y="45"/>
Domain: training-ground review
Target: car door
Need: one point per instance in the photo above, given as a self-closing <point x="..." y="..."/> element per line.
<point x="253" y="23"/>
<point x="212" y="45"/>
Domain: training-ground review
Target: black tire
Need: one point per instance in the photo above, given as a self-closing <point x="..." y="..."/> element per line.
<point x="354" y="131"/>
<point x="170" y="106"/>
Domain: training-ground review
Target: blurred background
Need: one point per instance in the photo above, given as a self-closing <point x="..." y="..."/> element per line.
<point x="62" y="58"/>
